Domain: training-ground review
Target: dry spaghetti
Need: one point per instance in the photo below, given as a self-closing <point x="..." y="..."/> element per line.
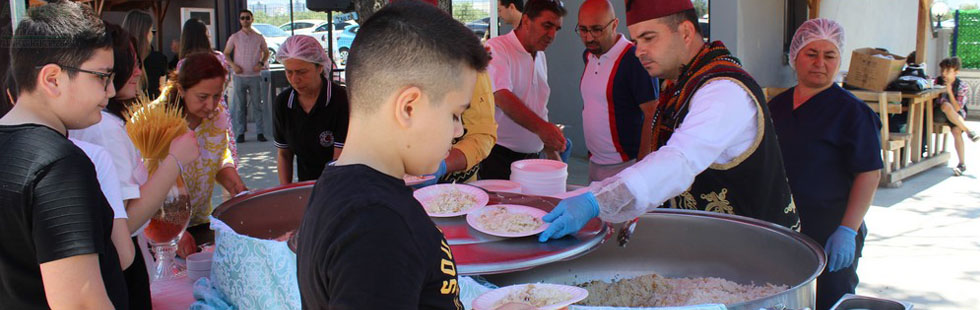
<point x="152" y="126"/>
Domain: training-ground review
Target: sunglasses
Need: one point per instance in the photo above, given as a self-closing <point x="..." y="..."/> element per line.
<point x="106" y="77"/>
<point x="245" y="18"/>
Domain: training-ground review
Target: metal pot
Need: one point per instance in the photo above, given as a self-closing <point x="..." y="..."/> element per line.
<point x="680" y="243"/>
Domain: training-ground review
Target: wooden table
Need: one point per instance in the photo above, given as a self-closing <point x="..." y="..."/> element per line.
<point x="919" y="123"/>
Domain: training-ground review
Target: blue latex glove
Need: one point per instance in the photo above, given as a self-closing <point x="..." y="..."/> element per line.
<point x="568" y="150"/>
<point x="438" y="175"/>
<point x="840" y="249"/>
<point x="570" y="216"/>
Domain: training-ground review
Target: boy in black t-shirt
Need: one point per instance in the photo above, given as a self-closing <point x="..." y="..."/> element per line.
<point x="55" y="224"/>
<point x="365" y="243"/>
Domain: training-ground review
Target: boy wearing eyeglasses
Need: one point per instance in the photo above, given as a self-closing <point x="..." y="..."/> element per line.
<point x="247" y="54"/>
<point x="56" y="250"/>
<point x="614" y="89"/>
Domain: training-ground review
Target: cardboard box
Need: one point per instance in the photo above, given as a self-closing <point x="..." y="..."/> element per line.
<point x="873" y="73"/>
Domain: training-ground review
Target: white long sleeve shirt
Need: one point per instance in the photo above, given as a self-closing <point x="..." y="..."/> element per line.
<point x="721" y="124"/>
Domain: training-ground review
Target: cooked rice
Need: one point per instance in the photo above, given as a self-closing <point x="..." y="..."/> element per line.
<point x="653" y="290"/>
<point x="537" y="296"/>
<point x="452" y="201"/>
<point x="497" y="219"/>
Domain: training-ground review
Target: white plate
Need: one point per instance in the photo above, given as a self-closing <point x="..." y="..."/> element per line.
<point x="488" y="300"/>
<point x="426" y="194"/>
<point x="498" y="185"/>
<point x="473" y="219"/>
<point x="412" y="180"/>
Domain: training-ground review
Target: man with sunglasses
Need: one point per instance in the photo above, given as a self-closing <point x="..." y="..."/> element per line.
<point x="519" y="72"/>
<point x="247" y="54"/>
<point x="614" y="88"/>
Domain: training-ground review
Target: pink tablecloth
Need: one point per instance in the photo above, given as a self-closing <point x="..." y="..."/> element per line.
<point x="172" y="294"/>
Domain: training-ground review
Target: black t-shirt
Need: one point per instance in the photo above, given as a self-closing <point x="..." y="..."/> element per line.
<point x="155" y="65"/>
<point x="366" y="243"/>
<point x="312" y="136"/>
<point x="51" y="207"/>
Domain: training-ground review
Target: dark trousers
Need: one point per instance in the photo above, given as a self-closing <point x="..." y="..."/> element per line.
<point x="497" y="165"/>
<point x="138" y="282"/>
<point x="831" y="286"/>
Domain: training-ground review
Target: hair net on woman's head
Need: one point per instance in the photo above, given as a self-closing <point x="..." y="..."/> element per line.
<point x="305" y="48"/>
<point x="813" y="30"/>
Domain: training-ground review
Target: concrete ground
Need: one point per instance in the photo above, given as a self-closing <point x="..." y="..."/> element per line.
<point x="923" y="244"/>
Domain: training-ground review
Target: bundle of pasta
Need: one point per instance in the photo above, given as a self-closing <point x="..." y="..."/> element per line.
<point x="151" y="126"/>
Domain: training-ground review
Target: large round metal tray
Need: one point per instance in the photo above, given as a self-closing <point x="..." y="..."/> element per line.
<point x="682" y="243"/>
<point x="273" y="212"/>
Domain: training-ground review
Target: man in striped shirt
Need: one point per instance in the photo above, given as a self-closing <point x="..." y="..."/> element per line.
<point x="614" y="88"/>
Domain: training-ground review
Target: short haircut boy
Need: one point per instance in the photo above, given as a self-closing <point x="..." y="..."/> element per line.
<point x="63" y="32"/>
<point x="429" y="59"/>
<point x="364" y="242"/>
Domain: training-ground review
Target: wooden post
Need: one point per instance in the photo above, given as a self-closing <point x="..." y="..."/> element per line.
<point x="922" y="35"/>
<point x="814" y="8"/>
<point x="159" y="13"/>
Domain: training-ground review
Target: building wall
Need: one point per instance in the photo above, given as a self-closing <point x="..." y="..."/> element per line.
<point x="886" y="24"/>
<point x="753" y="30"/>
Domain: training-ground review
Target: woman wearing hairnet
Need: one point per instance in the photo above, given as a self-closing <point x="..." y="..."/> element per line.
<point x="832" y="154"/>
<point x="311" y="116"/>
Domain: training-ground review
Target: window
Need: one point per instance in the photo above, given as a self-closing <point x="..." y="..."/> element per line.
<point x="475" y="14"/>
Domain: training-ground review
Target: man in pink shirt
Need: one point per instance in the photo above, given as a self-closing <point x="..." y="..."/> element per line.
<point x="247" y="54"/>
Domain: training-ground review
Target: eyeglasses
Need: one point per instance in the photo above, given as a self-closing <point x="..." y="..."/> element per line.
<point x="245" y="17"/>
<point x="595" y="31"/>
<point x="106" y="77"/>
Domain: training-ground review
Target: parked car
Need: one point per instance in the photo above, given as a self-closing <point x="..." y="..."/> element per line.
<point x="479" y="27"/>
<point x="344" y="40"/>
<point x="274" y="37"/>
<point x="341" y="35"/>
<point x="302" y="26"/>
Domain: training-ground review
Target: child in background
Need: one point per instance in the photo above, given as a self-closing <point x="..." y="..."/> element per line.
<point x="950" y="109"/>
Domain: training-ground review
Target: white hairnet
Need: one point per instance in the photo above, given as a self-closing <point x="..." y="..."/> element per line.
<point x="305" y="48"/>
<point x="813" y="30"/>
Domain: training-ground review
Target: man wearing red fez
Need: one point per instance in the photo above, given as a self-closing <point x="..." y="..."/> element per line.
<point x="713" y="145"/>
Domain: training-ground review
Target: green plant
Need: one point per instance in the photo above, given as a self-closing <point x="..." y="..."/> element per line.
<point x="968" y="38"/>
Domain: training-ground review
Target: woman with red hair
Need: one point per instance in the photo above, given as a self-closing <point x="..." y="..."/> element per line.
<point x="198" y="93"/>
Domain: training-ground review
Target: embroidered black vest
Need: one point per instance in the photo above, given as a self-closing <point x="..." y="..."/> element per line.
<point x="754" y="184"/>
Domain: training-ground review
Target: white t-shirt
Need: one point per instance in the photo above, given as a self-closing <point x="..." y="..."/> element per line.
<point x="110" y="134"/>
<point x="106" y="173"/>
<point x="512" y="68"/>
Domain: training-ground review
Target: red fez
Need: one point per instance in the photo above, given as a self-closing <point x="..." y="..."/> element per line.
<point x="644" y="10"/>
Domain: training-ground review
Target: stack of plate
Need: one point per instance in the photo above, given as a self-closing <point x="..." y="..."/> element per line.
<point x="541" y="177"/>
